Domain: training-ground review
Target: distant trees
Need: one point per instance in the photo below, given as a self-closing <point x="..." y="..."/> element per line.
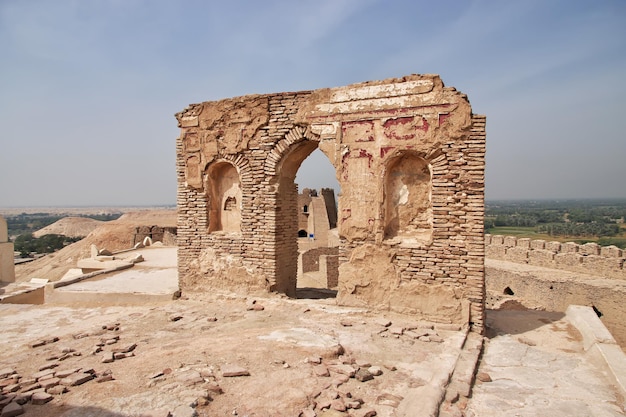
<point x="31" y="222"/>
<point x="580" y="229"/>
<point x="575" y="218"/>
<point x="27" y="243"/>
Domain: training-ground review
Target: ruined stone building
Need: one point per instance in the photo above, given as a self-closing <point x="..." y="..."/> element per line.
<point x="7" y="266"/>
<point x="409" y="156"/>
<point x="317" y="215"/>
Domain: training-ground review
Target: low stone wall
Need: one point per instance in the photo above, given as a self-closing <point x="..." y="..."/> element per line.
<point x="590" y="258"/>
<point x="310" y="258"/>
<point x="167" y="235"/>
<point x="329" y="266"/>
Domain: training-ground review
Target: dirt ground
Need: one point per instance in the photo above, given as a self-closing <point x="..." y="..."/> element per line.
<point x="298" y="353"/>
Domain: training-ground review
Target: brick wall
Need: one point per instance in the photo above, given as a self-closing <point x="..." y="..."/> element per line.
<point x="433" y="267"/>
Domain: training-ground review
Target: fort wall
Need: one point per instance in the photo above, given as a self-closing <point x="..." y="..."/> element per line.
<point x="589" y="258"/>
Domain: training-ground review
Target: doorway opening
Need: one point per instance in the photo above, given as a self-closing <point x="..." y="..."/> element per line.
<point x="317" y="237"/>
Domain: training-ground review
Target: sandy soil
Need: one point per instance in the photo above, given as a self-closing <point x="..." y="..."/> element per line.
<point x="70" y="226"/>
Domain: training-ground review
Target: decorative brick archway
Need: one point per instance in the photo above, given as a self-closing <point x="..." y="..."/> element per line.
<point x="409" y="156"/>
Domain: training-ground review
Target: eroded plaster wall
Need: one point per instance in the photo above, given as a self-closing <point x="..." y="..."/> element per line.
<point x="410" y="140"/>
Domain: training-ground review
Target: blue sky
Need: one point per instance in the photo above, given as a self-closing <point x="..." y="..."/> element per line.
<point x="88" y="89"/>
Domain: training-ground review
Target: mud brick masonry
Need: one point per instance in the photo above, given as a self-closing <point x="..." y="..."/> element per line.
<point x="409" y="156"/>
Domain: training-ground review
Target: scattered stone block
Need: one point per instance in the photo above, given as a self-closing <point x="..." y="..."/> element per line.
<point x="366" y="412"/>
<point x="6" y="372"/>
<point x="43" y="374"/>
<point x="375" y="370"/>
<point x="175" y="317"/>
<point x="40" y="398"/>
<point x="343" y="370"/>
<point x="338" y="405"/>
<point x="4" y="400"/>
<point x="214" y="388"/>
<point x="49" y="383"/>
<point x="122" y="355"/>
<point x="27" y="381"/>
<point x="363" y="375"/>
<point x="234" y="371"/>
<point x="57" y="390"/>
<point x="190" y="377"/>
<point x="383" y="322"/>
<point x="321" y="371"/>
<point x="108" y="357"/>
<point x="483" y="377"/>
<point x="353" y="405"/>
<point x="362" y="363"/>
<point x="76" y="379"/>
<point x="104" y="378"/>
<point x="111" y="341"/>
<point x="23" y="397"/>
<point x="397" y="330"/>
<point x="389" y="399"/>
<point x="11" y="388"/>
<point x="12" y="409"/>
<point x="31" y="387"/>
<point x="340" y="379"/>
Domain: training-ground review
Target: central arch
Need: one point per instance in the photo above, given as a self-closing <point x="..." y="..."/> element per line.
<point x="284" y="161"/>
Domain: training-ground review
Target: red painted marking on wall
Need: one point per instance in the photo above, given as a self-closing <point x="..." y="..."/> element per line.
<point x="443" y="117"/>
<point x="391" y="127"/>
<point x="362" y="129"/>
<point x="364" y="154"/>
<point x="344" y="167"/>
<point x="385" y="150"/>
<point x="424" y="125"/>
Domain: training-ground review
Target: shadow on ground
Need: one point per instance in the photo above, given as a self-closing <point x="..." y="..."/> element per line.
<point x="50" y="410"/>
<point x="518" y="321"/>
<point x="315" y="293"/>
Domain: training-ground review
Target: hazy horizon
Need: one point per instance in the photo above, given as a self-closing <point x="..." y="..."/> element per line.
<point x="89" y="89"/>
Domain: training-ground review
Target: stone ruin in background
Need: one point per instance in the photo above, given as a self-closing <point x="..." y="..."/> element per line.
<point x="7" y="266"/>
<point x="409" y="156"/>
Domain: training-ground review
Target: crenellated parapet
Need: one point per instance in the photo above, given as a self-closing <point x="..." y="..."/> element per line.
<point x="588" y="258"/>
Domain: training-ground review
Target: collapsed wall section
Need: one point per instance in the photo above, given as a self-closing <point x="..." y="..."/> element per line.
<point x="409" y="157"/>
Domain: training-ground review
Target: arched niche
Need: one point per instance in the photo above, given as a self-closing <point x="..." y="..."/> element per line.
<point x="408" y="204"/>
<point x="224" y="189"/>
